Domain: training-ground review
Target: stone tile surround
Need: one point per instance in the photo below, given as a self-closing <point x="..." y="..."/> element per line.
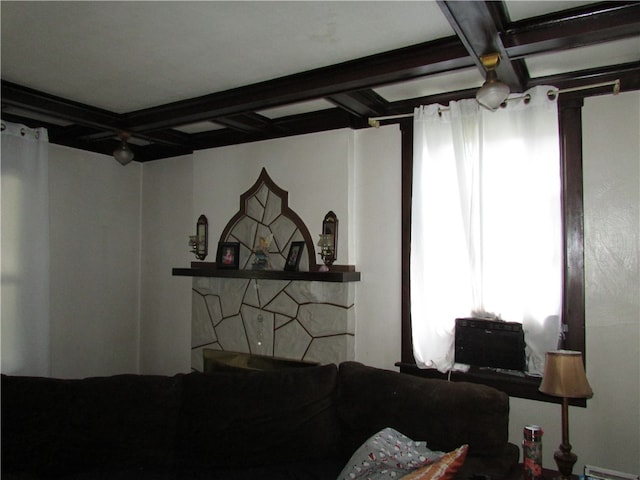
<point x="301" y="320"/>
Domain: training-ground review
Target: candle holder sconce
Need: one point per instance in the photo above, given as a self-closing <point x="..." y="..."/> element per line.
<point x="328" y="242"/>
<point x="199" y="241"/>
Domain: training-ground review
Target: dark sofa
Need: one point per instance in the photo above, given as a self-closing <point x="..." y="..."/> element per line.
<point x="301" y="423"/>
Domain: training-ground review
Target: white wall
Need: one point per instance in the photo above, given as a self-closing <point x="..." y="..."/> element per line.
<point x="607" y="432"/>
<point x="378" y="215"/>
<point x="167" y="222"/>
<point x="95" y="263"/>
<point x="314" y="169"/>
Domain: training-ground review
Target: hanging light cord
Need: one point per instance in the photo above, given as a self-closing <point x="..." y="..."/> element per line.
<point x="375" y="121"/>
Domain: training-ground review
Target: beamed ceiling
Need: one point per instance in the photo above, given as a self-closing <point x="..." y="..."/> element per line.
<point x="330" y="96"/>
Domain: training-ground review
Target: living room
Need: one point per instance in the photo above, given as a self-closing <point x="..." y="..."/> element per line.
<point x="117" y="232"/>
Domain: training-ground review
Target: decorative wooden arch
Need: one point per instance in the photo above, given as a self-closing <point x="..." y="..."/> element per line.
<point x="259" y="194"/>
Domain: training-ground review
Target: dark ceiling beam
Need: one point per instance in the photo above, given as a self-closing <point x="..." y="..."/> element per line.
<point x="246" y="122"/>
<point x="362" y="103"/>
<point x="166" y="137"/>
<point x="42" y="103"/>
<point x="403" y="107"/>
<point x="79" y="133"/>
<point x="577" y="27"/>
<point x="477" y="25"/>
<point x="29" y="122"/>
<point x="142" y="153"/>
<point x="628" y="74"/>
<point x="329" y="119"/>
<point x="163" y="137"/>
<point x="156" y="152"/>
<point x="403" y="64"/>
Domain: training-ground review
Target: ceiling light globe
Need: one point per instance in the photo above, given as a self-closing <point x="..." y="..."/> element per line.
<point x="492" y="94"/>
<point x="123" y="154"/>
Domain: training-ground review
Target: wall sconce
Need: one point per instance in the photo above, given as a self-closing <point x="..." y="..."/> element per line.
<point x="328" y="242"/>
<point x="493" y="92"/>
<point x="123" y="153"/>
<point x="199" y="241"/>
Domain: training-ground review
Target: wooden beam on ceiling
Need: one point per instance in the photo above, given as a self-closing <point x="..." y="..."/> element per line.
<point x="246" y="122"/>
<point x="283" y="127"/>
<point x="403" y="64"/>
<point x="604" y="22"/>
<point x="628" y="74"/>
<point x="163" y="137"/>
<point x="478" y="26"/>
<point x="362" y="103"/>
<point x="42" y="103"/>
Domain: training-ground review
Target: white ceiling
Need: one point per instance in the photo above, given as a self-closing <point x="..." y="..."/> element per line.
<point x="126" y="56"/>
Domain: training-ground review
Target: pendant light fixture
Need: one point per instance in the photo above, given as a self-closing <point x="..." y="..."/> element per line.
<point x="123" y="153"/>
<point x="493" y="92"/>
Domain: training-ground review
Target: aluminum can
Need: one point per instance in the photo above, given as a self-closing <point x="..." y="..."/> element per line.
<point x="532" y="452"/>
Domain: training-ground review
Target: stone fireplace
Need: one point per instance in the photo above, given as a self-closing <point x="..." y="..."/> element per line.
<point x="304" y="315"/>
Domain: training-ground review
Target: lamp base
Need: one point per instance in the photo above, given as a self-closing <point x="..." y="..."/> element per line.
<point x="565" y="460"/>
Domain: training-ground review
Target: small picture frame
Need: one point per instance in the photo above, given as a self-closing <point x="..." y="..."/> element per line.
<point x="228" y="255"/>
<point x="293" y="259"/>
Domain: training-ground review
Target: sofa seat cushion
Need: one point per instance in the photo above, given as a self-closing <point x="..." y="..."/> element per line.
<point x="309" y="470"/>
<point x="257" y="419"/>
<point x="35" y="412"/>
<point x="323" y="470"/>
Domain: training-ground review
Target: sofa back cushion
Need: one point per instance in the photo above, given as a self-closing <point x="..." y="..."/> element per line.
<point x="35" y="412"/>
<point x="257" y="418"/>
<point x="54" y="426"/>
<point x="444" y="414"/>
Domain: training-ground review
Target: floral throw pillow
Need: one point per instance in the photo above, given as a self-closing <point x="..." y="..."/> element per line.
<point x="443" y="469"/>
<point x="388" y="455"/>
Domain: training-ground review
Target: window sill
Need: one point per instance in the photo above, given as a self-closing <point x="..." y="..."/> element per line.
<point x="512" y="385"/>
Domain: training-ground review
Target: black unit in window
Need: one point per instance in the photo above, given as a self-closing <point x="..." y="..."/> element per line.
<point x="489" y="343"/>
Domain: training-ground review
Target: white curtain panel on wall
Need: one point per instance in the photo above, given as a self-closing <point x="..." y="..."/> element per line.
<point x="486" y="224"/>
<point x="25" y="251"/>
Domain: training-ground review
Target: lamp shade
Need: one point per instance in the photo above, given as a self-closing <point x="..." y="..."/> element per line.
<point x="564" y="375"/>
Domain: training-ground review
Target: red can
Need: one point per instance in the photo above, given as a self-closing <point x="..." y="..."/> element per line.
<point x="532" y="452"/>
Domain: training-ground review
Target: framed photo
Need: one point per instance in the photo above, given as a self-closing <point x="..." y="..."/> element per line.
<point x="228" y="255"/>
<point x="293" y="259"/>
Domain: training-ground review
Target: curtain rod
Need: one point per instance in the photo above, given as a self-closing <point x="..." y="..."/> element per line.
<point x="375" y="121"/>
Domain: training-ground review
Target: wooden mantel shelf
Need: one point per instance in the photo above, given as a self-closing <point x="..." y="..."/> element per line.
<point x="338" y="273"/>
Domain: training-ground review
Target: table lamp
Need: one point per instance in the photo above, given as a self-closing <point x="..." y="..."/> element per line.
<point x="564" y="377"/>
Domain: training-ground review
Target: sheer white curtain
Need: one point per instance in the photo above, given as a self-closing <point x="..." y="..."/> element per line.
<point x="486" y="236"/>
<point x="24" y="289"/>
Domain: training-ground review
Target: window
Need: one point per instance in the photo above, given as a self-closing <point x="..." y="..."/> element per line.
<point x="572" y="234"/>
